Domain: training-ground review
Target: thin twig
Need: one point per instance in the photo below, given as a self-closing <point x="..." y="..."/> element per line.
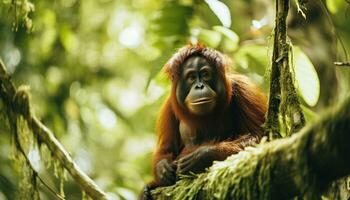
<point x="347" y="64"/>
<point x="36" y="174"/>
<point x="334" y="30"/>
<point x="45" y="134"/>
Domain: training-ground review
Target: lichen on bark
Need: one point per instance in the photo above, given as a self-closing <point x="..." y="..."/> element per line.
<point x="300" y="165"/>
<point x="284" y="105"/>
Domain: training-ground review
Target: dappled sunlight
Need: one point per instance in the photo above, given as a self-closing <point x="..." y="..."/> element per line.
<point x="132" y="36"/>
<point x="13" y="57"/>
<point x="95" y="77"/>
<point x="107" y="118"/>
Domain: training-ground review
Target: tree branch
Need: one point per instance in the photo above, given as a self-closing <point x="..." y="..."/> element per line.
<point x="346" y="64"/>
<point x="272" y="128"/>
<point x="301" y="165"/>
<point x="283" y="99"/>
<point x="18" y="103"/>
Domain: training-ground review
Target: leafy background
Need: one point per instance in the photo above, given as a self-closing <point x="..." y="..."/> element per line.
<point x="93" y="69"/>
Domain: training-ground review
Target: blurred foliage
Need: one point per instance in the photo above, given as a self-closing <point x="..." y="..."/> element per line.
<point x="21" y="10"/>
<point x="93" y="68"/>
<point x="306" y="73"/>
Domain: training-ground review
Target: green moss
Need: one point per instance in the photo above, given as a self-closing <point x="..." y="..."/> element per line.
<point x="290" y="111"/>
<point x="242" y="176"/>
<point x="22" y="143"/>
<point x="61" y="174"/>
<point x="22" y="99"/>
<point x="253" y="174"/>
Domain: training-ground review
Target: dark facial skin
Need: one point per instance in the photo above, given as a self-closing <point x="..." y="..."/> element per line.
<point x="197" y="86"/>
<point x="198" y="91"/>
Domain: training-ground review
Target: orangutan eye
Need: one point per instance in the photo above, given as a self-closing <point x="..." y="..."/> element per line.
<point x="206" y="75"/>
<point x="191" y="77"/>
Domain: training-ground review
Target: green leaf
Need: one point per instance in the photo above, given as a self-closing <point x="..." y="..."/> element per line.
<point x="209" y="37"/>
<point x="68" y="38"/>
<point x="221" y="11"/>
<point x="252" y="56"/>
<point x="306" y="77"/>
<point x="334" y="5"/>
<point x="172" y="19"/>
<point x="231" y="39"/>
<point x="308" y="113"/>
<point x="158" y="65"/>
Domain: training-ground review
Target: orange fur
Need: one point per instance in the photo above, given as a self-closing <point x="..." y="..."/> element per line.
<point x="235" y="124"/>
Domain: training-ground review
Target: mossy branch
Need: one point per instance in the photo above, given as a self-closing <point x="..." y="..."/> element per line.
<point x="18" y="102"/>
<point x="283" y="100"/>
<point x="272" y="128"/>
<point x="301" y="165"/>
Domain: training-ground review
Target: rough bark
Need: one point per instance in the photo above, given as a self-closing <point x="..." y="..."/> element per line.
<point x="283" y="99"/>
<point x="17" y="101"/>
<point x="272" y="124"/>
<point x="302" y="165"/>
